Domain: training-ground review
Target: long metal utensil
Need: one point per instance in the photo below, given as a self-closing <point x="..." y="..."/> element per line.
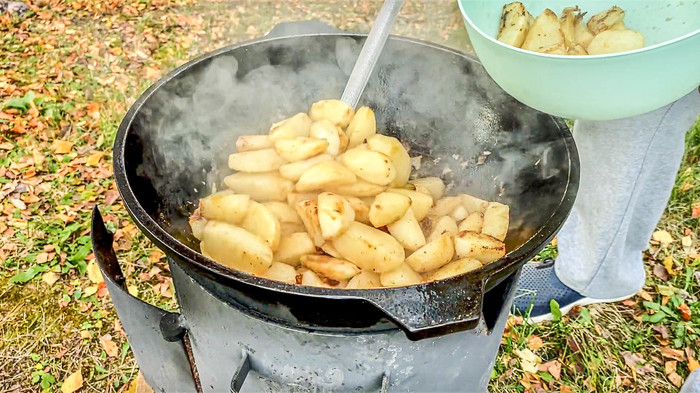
<point x="370" y="52"/>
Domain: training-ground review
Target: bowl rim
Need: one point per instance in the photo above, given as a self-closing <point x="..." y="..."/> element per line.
<point x="569" y="57"/>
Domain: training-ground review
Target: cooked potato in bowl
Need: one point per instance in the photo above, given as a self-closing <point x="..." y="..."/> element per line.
<point x="567" y="34"/>
<point x="324" y="200"/>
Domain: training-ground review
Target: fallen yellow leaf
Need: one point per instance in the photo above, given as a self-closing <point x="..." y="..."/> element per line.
<point x="72" y="383"/>
<point x="152" y="72"/>
<point x="528" y="360"/>
<point x="94" y="273"/>
<point x="693" y="364"/>
<point x="534" y="342"/>
<point x="662" y="237"/>
<point x="89" y="291"/>
<point x="49" y="278"/>
<point x="668" y="264"/>
<point x="62" y="147"/>
<point x="38" y="158"/>
<point x="686" y="241"/>
<point x="95" y="158"/>
<point x="85" y="334"/>
<point x="133" y="290"/>
<point x="109" y="346"/>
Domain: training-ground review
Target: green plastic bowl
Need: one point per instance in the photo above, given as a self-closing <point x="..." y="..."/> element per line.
<point x="600" y="87"/>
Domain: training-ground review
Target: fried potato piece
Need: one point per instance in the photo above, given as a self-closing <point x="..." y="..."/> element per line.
<point x="420" y="203"/>
<point x="496" y="220"/>
<point x="582" y="35"/>
<point x="443" y="225"/>
<point x="226" y="206"/>
<point x="329" y="132"/>
<point x="295" y="126"/>
<point x="262" y="187"/>
<point x="407" y="231"/>
<point x="300" y="148"/>
<point x="369" y="248"/>
<point x="615" y="41"/>
<point x="515" y="22"/>
<point x="455" y="268"/>
<point x="433" y="255"/>
<point x="325" y="175"/>
<point x="485" y="248"/>
<point x="544" y="32"/>
<point x="359" y="189"/>
<point x="283" y="212"/>
<point x="235" y="247"/>
<point x="604" y="20"/>
<point x="399" y="277"/>
<point x="394" y="149"/>
<point x="362" y="126"/>
<point x="334" y="215"/>
<point x="281" y="272"/>
<point x="567" y="24"/>
<point x="434" y="185"/>
<point x="264" y="160"/>
<point x="253" y="142"/>
<point x="333" y="268"/>
<point x="261" y="222"/>
<point x="365" y="280"/>
<point x="473" y="223"/>
<point x="335" y="111"/>
<point x="293" y="247"/>
<point x="294" y="170"/>
<point x="308" y="211"/>
<point x="370" y="166"/>
<point x="387" y="208"/>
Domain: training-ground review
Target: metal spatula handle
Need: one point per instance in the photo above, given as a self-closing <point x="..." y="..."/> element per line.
<point x="370" y="52"/>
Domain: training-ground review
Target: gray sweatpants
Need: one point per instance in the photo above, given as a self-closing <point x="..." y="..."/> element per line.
<point x="692" y="384"/>
<point x="628" y="168"/>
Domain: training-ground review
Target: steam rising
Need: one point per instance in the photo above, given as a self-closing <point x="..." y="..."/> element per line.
<point x="467" y="130"/>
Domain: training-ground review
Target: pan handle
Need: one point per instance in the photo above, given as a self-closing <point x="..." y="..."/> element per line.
<point x="436" y="309"/>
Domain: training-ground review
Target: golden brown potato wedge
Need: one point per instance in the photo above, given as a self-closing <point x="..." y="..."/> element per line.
<point x="619" y="26"/>
<point x="235" y="247"/>
<point x="455" y="268"/>
<point x="295" y="126"/>
<point x="300" y="148"/>
<point x="369" y="248"/>
<point x="264" y="160"/>
<point x="473" y="204"/>
<point x="253" y="142"/>
<point x="496" y="220"/>
<point x="294" y="170"/>
<point x="325" y="175"/>
<point x="360" y="188"/>
<point x="544" y="32"/>
<point x="262" y="187"/>
<point x="615" y="41"/>
<point x="225" y="206"/>
<point x="334" y="215"/>
<point x="567" y="24"/>
<point x="602" y="21"/>
<point x="197" y="224"/>
<point x="387" y="208"/>
<point x="485" y="248"/>
<point x="328" y="248"/>
<point x="294" y="197"/>
<point x="420" y="203"/>
<point x="582" y="35"/>
<point x="362" y="126"/>
<point x="364" y="280"/>
<point x="311" y="279"/>
<point x="400" y="277"/>
<point x="515" y="22"/>
<point x="445" y="206"/>
<point x="370" y="166"/>
<point x="287" y="228"/>
<point x="281" y="272"/>
<point x="433" y="255"/>
<point x="360" y="207"/>
<point x="434" y="185"/>
<point x="333" y="268"/>
<point x="308" y="211"/>
<point x="459" y="213"/>
<point x="443" y="225"/>
<point x="261" y="222"/>
<point x="329" y="132"/>
<point x="577" y="50"/>
<point x="283" y="212"/>
<point x="473" y="223"/>
<point x="393" y="148"/>
<point x="293" y="246"/>
<point x="407" y="231"/>
<point x="335" y="111"/>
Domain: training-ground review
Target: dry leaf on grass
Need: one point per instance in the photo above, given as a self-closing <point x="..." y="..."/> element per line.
<point x="685" y="312"/>
<point x="662" y="237"/>
<point x="553" y="367"/>
<point x="534" y="342"/>
<point x="671" y="353"/>
<point x="94" y="273"/>
<point x="670" y="367"/>
<point x="676" y="379"/>
<point x="668" y="264"/>
<point x="62" y="147"/>
<point x="528" y="360"/>
<point x="109" y="346"/>
<point x="73" y="382"/>
<point x="50" y="278"/>
<point x="660" y="272"/>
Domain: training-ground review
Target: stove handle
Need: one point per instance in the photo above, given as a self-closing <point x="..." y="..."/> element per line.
<point x="153" y="333"/>
<point x="245" y="367"/>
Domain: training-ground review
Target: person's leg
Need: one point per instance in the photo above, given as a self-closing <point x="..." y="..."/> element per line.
<point x="692" y="384"/>
<point x="628" y="167"/>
